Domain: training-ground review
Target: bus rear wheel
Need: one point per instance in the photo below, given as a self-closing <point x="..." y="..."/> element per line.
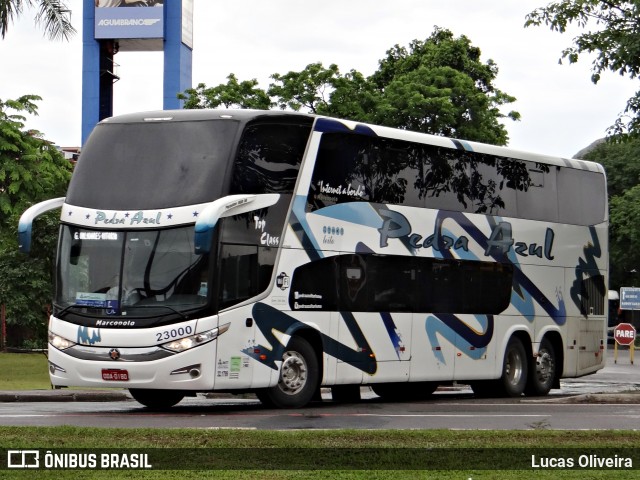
<point x="299" y="377"/>
<point x="156" y="399"/>
<point x="514" y="369"/>
<point x="513" y="380"/>
<point x="542" y="372"/>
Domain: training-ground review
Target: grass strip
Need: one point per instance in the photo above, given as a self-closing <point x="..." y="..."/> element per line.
<point x="319" y="450"/>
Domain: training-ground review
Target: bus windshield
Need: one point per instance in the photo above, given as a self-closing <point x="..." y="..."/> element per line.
<point x="130" y="273"/>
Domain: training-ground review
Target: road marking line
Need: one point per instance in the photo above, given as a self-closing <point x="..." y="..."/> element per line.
<point x="479" y="414"/>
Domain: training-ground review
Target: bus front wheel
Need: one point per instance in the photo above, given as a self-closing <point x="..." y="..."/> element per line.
<point x="156" y="399"/>
<point x="299" y="377"/>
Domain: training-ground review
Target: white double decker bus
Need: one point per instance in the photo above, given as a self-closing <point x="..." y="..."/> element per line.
<point x="278" y="253"/>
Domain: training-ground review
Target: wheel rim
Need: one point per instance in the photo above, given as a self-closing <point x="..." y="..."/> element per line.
<point x="514" y="368"/>
<point x="293" y="374"/>
<point x="544" y="366"/>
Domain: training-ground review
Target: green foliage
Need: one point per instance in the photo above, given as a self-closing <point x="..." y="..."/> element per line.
<point x="436" y="86"/>
<point x="53" y="16"/>
<point x="31" y="170"/>
<point x="625" y="237"/>
<point x="613" y="35"/>
<point x="26" y="284"/>
<point x="621" y="160"/>
<point x="307" y="89"/>
<point x="234" y="94"/>
<point x="440" y="86"/>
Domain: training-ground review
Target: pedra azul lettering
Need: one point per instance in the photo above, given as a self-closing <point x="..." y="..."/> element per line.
<point x="138" y="218"/>
<point x="396" y="225"/>
<point x="500" y="241"/>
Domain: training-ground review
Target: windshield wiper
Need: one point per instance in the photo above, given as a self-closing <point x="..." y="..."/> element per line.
<point x="66" y="309"/>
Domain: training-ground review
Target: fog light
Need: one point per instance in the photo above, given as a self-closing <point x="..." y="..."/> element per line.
<point x="53" y="368"/>
<point x="192" y="370"/>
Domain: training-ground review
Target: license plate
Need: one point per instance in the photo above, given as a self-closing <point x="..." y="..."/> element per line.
<point x="115" y="375"/>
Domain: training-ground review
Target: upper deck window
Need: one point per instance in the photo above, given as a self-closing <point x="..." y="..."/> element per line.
<point x="352" y="168"/>
<point x="153" y="165"/>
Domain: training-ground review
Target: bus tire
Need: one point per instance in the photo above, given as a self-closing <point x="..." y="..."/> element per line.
<point x="299" y="377"/>
<point x="542" y="372"/>
<point x="514" y="369"/>
<point x="156" y="399"/>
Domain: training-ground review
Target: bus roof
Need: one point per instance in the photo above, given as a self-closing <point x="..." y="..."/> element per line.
<point x="246" y="115"/>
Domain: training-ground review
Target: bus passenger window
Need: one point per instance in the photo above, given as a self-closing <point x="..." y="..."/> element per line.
<point x="245" y="271"/>
<point x="238" y="273"/>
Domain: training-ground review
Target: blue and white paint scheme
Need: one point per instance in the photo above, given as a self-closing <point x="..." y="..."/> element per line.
<point x="259" y="243"/>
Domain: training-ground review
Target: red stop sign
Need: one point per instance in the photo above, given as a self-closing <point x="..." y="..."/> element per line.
<point x="624" y="334"/>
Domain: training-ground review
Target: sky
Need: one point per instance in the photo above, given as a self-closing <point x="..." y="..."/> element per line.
<point x="562" y="110"/>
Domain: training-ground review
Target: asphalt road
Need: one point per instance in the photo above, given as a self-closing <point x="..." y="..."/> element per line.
<point x="599" y="401"/>
<point x="449" y="411"/>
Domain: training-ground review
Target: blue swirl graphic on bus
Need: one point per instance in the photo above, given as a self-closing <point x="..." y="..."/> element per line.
<point x="504" y="255"/>
<point x="520" y="299"/>
<point x="268" y="319"/>
<point x="499" y="245"/>
<point x="591" y="250"/>
<point x="449" y="330"/>
<point x="392" y="331"/>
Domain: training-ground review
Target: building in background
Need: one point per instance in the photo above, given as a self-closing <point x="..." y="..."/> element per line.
<point x="151" y="25"/>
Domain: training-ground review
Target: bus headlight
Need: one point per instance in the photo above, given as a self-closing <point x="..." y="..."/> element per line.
<point x="195" y="340"/>
<point x="59" y="342"/>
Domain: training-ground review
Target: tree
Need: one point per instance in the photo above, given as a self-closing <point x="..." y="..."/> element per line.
<point x="621" y="160"/>
<point x="235" y="94"/>
<point x="624" y="233"/>
<point x="309" y="89"/>
<point x="440" y="86"/>
<point x="31" y="170"/>
<point x="436" y="86"/>
<point x="53" y="16"/>
<point x="614" y="36"/>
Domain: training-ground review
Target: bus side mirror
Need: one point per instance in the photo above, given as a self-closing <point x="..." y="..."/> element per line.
<point x="27" y="218"/>
<point x="226" y="207"/>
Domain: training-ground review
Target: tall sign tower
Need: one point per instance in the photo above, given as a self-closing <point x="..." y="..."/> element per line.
<point x="112" y="26"/>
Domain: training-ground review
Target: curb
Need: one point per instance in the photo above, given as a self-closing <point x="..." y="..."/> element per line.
<point x="63" y="396"/>
<point x="594" y="398"/>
